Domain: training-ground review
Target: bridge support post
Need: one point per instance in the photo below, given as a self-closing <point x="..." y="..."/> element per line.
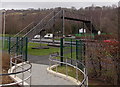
<point x="71" y="51"/>
<point x="17" y="45"/>
<point x="83" y="28"/>
<point x="61" y="50"/>
<point x="118" y="61"/>
<point x="63" y="23"/>
<point x="26" y="48"/>
<point x="9" y="44"/>
<point x="53" y="30"/>
<point x="21" y="46"/>
<point x="76" y="50"/>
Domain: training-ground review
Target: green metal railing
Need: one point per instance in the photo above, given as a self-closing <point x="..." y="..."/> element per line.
<point x="73" y="49"/>
<point x="17" y="46"/>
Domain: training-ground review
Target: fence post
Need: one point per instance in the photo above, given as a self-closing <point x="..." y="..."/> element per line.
<point x="61" y="50"/>
<point x="76" y="71"/>
<point x="17" y="45"/>
<point x="9" y="44"/>
<point x="26" y="47"/>
<point x="84" y="52"/>
<point x="21" y="48"/>
<point x="81" y="49"/>
<point x="71" y="51"/>
<point x="76" y="49"/>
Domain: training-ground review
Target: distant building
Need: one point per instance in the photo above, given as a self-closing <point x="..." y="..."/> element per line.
<point x="82" y="30"/>
<point x="99" y="32"/>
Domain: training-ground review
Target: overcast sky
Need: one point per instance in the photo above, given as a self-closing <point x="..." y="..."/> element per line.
<point x="25" y="4"/>
<point x="59" y="0"/>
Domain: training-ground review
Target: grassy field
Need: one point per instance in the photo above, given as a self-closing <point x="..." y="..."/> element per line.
<point x="41" y="51"/>
<point x="31" y="51"/>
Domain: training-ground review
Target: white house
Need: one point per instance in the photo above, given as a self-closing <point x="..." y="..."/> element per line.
<point x="82" y="30"/>
<point x="99" y="32"/>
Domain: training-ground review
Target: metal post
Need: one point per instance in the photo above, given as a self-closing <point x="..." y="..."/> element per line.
<point x="26" y="47"/>
<point x="66" y="68"/>
<point x="80" y="50"/>
<point x="83" y="28"/>
<point x="3" y="29"/>
<point x="53" y="31"/>
<point x="16" y="46"/>
<point x="30" y="77"/>
<point x="49" y="64"/>
<point x="76" y="49"/>
<point x="81" y="54"/>
<point x="9" y="44"/>
<point x="61" y="50"/>
<point x="87" y="81"/>
<point x="56" y="65"/>
<point x="63" y="23"/>
<point x="71" y="51"/>
<point x="15" y="66"/>
<point x="21" y="48"/>
<point x="118" y="69"/>
<point x="91" y="28"/>
<point x="84" y="52"/>
<point x="100" y="19"/>
<point x="76" y="71"/>
<point x="22" y="74"/>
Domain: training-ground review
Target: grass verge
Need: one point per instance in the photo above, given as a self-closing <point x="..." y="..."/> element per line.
<point x="71" y="71"/>
<point x="40" y="52"/>
<point x="37" y="52"/>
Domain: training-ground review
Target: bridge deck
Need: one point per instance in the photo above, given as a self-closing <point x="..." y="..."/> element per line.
<point x="75" y="19"/>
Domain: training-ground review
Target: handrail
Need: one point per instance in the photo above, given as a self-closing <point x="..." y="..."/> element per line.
<point x="52" y="58"/>
<point x="18" y="72"/>
<point x="21" y="38"/>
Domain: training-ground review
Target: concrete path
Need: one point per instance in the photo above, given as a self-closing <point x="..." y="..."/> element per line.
<point x="40" y="76"/>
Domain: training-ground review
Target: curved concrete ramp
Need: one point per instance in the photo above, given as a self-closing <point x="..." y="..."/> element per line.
<point x="40" y="76"/>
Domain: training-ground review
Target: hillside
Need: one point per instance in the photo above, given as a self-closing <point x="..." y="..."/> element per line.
<point x="104" y="19"/>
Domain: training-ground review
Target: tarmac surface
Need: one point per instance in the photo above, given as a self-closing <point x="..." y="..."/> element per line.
<point x="39" y="59"/>
<point x="40" y="76"/>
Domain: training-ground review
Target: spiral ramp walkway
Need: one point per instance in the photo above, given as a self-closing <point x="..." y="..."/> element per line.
<point x="40" y="76"/>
